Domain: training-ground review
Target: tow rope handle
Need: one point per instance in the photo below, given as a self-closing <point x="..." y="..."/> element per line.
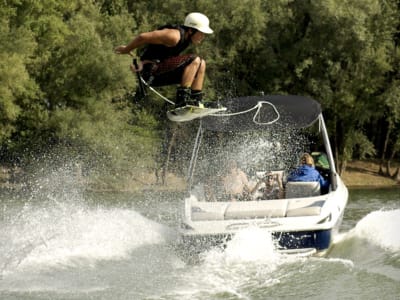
<point x="142" y="89"/>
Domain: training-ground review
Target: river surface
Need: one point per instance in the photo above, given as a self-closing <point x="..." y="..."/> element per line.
<point x="59" y="242"/>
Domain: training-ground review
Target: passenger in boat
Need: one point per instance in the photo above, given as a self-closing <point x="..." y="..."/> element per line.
<point x="271" y="187"/>
<point x="321" y="164"/>
<point x="211" y="189"/>
<point x="236" y="184"/>
<point x="307" y="172"/>
<point x="162" y="62"/>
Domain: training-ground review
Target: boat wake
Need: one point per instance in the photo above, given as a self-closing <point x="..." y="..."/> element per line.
<point x="250" y="245"/>
<point x="373" y="244"/>
<point x="55" y="227"/>
<point x="51" y="237"/>
<point x="379" y="228"/>
<point x="249" y="259"/>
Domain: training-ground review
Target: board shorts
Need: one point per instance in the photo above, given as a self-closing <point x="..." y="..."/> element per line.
<point x="167" y="72"/>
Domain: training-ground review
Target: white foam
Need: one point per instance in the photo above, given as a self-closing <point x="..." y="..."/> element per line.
<point x="56" y="227"/>
<point x="381" y="228"/>
<point x="61" y="237"/>
<point x="251" y="245"/>
<point x="346" y="262"/>
<point x="249" y="258"/>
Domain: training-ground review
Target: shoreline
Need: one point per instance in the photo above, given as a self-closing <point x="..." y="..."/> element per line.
<point x="365" y="175"/>
<point x="358" y="175"/>
<point x="372" y="187"/>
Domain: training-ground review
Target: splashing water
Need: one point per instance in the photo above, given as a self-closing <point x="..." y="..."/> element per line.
<point x="269" y="152"/>
<point x="249" y="260"/>
<point x="252" y="245"/>
<point x="59" y="238"/>
<point x="380" y="228"/>
<point x="55" y="228"/>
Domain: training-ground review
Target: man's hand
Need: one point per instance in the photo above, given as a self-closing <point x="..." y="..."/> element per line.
<point x="121" y="50"/>
<point x="138" y="69"/>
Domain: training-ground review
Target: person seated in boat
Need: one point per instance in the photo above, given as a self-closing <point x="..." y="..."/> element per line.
<point x="211" y="189"/>
<point x="235" y="182"/>
<point x="269" y="188"/>
<point x="320" y="160"/>
<point x="307" y="172"/>
<point x="321" y="163"/>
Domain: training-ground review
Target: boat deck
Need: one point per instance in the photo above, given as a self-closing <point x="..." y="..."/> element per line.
<point x="213" y="211"/>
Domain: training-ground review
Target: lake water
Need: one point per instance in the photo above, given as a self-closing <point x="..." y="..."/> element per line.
<point x="58" y="242"/>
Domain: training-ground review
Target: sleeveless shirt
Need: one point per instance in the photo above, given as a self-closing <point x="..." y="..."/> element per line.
<point x="161" y="52"/>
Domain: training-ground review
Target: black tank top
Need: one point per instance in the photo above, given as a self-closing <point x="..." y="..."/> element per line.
<point x="161" y="52"/>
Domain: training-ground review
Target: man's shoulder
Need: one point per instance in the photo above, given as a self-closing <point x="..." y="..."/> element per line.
<point x="171" y="29"/>
<point x="171" y="26"/>
<point x="168" y="36"/>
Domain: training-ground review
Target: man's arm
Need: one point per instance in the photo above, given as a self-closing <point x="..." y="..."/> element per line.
<point x="168" y="37"/>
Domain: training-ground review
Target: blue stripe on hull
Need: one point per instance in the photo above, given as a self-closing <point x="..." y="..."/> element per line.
<point x="320" y="240"/>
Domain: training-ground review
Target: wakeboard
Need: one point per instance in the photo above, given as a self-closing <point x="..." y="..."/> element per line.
<point x="190" y="112"/>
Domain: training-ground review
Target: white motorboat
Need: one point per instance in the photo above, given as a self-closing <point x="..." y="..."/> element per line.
<point x="264" y="135"/>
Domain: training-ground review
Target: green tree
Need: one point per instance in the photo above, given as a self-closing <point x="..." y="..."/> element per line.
<point x="16" y="85"/>
<point x="335" y="51"/>
<point x="65" y="86"/>
<point x="62" y="85"/>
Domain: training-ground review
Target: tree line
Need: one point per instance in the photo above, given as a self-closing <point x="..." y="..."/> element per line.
<point x="63" y="89"/>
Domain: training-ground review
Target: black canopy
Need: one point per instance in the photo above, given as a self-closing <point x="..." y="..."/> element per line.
<point x="260" y="112"/>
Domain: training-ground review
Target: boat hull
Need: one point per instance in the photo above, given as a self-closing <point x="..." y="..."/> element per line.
<point x="290" y="235"/>
<point x="318" y="239"/>
<point x="288" y="242"/>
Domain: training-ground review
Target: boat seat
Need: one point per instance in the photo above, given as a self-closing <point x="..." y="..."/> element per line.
<point x="304" y="207"/>
<point x="208" y="211"/>
<point x="254" y="209"/>
<point x="300" y="189"/>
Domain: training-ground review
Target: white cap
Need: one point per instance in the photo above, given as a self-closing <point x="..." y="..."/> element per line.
<point x="198" y="21"/>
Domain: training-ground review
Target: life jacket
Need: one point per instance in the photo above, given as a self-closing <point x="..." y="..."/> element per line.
<point x="308" y="173"/>
<point x="161" y="52"/>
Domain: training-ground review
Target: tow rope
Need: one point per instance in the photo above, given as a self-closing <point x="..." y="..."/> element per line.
<point x="257" y="107"/>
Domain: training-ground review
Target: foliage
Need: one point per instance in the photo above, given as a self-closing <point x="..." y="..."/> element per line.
<point x="61" y="83"/>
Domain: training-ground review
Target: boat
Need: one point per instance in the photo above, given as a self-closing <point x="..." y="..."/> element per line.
<point x="265" y="135"/>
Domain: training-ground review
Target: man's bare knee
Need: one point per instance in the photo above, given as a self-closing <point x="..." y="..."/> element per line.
<point x="196" y="62"/>
<point x="202" y="67"/>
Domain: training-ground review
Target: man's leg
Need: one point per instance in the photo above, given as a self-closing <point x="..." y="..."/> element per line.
<point x="187" y="70"/>
<point x="183" y="95"/>
<point x="193" y="77"/>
